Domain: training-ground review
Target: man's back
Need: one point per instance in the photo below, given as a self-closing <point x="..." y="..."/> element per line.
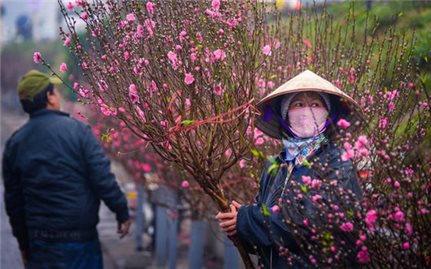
<point x="55" y="174"/>
<point x="63" y="173"/>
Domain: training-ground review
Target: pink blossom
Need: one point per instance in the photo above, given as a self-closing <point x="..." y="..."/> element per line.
<point x="267" y="50"/>
<point x="316" y="198"/>
<point x="126" y="55"/>
<point x="149" y="25"/>
<point x="182" y="36"/>
<point x="80" y="3"/>
<point x="411" y="85"/>
<point x="344" y="124"/>
<point x="146" y="167"/>
<point x="164" y="123"/>
<point x="306" y="180"/>
<point x="307" y="43"/>
<point x="131" y="17"/>
<point x="242" y="164"/>
<point x="259" y="141"/>
<point x="363" y="256"/>
<point x="218" y="90"/>
<point x="399" y="216"/>
<point x="361" y="142"/>
<point x="63" y="68"/>
<point x="37" y="57"/>
<point x="75" y="85"/>
<point x="172" y="56"/>
<point x="193" y="57"/>
<point x="103" y="86"/>
<point x="232" y="23"/>
<point x="347" y="155"/>
<point x="66" y="41"/>
<point x="396" y="184"/>
<point x="140" y="113"/>
<point x="315" y="183"/>
<point x="409" y="172"/>
<point x="84" y="15"/>
<point x="133" y="93"/>
<point x="364" y="152"/>
<point x="270" y="85"/>
<point x="212" y="14"/>
<point x="228" y="152"/>
<point x="406" y="246"/>
<point x="275" y="209"/>
<point x="189" y="79"/>
<point x="185" y="184"/>
<point x="371" y="217"/>
<point x="383" y="122"/>
<point x="188" y="103"/>
<point x="257" y="133"/>
<point x="215" y="5"/>
<point x="139" y="31"/>
<point x="150" y="7"/>
<point x="69" y="6"/>
<point x="424" y="211"/>
<point x="219" y="55"/>
<point x="409" y="229"/>
<point x="83" y="92"/>
<point x="121" y="109"/>
<point x="347" y="226"/>
<point x="306" y="222"/>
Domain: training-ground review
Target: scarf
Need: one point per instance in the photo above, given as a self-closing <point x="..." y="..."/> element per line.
<point x="298" y="149"/>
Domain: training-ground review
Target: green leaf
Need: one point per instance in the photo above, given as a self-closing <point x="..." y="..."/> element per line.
<point x="106" y="137"/>
<point x="306" y="163"/>
<point x="349" y="212"/>
<point x="327" y="236"/>
<point x="272" y="76"/>
<point x="271" y="159"/>
<point x="400" y="14"/>
<point x="304" y="188"/>
<point x="265" y="211"/>
<point x="187" y="122"/>
<point x="273" y="168"/>
<point x="255" y="152"/>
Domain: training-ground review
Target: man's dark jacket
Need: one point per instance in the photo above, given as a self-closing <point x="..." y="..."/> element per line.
<point x="260" y="233"/>
<point x="55" y="174"/>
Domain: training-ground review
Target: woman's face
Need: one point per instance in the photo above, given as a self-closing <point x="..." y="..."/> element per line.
<point x="307" y="99"/>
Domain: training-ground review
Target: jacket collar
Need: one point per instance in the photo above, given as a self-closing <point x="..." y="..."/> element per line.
<point x="45" y="111"/>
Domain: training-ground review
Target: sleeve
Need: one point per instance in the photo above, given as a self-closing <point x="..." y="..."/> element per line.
<point x="258" y="229"/>
<point x="101" y="178"/>
<point x="14" y="201"/>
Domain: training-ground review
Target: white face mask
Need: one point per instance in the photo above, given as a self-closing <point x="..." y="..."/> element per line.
<point x="307" y="121"/>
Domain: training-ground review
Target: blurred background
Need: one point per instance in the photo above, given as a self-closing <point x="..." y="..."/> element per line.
<point x="33" y="25"/>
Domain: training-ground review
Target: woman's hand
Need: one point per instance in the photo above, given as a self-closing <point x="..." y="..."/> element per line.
<point x="228" y="220"/>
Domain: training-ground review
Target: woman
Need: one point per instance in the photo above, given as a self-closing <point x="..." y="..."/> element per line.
<point x="302" y="113"/>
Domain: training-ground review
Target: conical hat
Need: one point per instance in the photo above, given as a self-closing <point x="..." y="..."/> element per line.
<point x="305" y="81"/>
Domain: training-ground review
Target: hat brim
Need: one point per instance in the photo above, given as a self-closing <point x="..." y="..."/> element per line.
<point x="306" y="81"/>
<point x="55" y="80"/>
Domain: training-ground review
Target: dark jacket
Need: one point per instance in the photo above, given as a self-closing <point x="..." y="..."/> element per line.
<point x="259" y="233"/>
<point x="55" y="174"/>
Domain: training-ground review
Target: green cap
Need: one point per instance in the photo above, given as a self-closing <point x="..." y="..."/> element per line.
<point x="34" y="82"/>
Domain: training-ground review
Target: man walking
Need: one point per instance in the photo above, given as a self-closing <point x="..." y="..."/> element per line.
<point x="55" y="175"/>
